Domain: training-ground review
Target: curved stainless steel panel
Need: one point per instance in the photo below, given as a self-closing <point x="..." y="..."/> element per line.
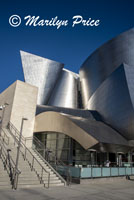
<point x="114" y="100"/>
<point x="86" y="132"/>
<point x="65" y="92"/>
<point x="40" y="72"/>
<point x="75" y="112"/>
<point x="104" y="61"/>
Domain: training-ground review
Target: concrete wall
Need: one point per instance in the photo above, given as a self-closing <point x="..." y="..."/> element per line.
<point x="7" y="96"/>
<point x="22" y="99"/>
<point x="24" y="105"/>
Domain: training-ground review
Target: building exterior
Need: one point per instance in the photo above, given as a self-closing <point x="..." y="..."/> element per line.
<point x="22" y="100"/>
<point x="82" y="119"/>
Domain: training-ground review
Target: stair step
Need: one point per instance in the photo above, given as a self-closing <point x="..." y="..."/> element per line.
<point x="30" y="186"/>
<point x="29" y="182"/>
<point x="54" y="176"/>
<point x="54" y="184"/>
<point x="4" y="178"/>
<point x="51" y="178"/>
<point x="3" y="171"/>
<point x="24" y="167"/>
<point x="3" y="175"/>
<point x="52" y="181"/>
<point x="1" y="166"/>
<point x="4" y="183"/>
<point x="23" y="174"/>
<point x="5" y="187"/>
<point x="45" y="173"/>
<point x="29" y="178"/>
<point x="26" y="171"/>
<point x="42" y="163"/>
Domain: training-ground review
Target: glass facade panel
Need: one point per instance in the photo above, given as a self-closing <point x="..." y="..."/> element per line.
<point x="60" y="147"/>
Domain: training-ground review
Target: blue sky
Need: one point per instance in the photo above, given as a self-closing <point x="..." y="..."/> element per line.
<point x="68" y="45"/>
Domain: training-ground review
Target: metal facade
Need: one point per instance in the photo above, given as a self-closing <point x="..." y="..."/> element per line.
<point x="57" y="86"/>
<point x="99" y="65"/>
<point x="114" y="100"/>
<point x="106" y="82"/>
<point x="65" y="92"/>
<point x="41" y="72"/>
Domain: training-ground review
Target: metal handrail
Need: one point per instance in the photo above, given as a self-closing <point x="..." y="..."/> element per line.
<point x="4" y="136"/>
<point x="35" y="139"/>
<point x="16" y="133"/>
<point x="9" y="165"/>
<point x="33" y="162"/>
<point x="60" y="162"/>
<point x="47" y="163"/>
<point x="46" y="150"/>
<point x="38" y="141"/>
<point x="34" y="159"/>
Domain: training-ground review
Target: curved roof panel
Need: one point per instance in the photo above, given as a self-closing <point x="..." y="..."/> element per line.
<point x="85" y="131"/>
<point x="99" y="65"/>
<point x="114" y="100"/>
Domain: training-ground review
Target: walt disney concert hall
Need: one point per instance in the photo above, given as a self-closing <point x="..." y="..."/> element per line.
<point x="81" y="119"/>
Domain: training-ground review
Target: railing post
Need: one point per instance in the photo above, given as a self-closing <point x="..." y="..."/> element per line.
<point x="79" y="174"/>
<point x="0" y="152"/>
<point x="5" y="163"/>
<point x="48" y="179"/>
<point x="10" y="168"/>
<point x="16" y="181"/>
<point x="32" y="164"/>
<point x="41" y="175"/>
<point x="91" y="171"/>
<point x="101" y="171"/>
<point x="4" y="138"/>
<point x="44" y="153"/>
<point x="14" y="138"/>
<point x="10" y="127"/>
<point x="25" y="154"/>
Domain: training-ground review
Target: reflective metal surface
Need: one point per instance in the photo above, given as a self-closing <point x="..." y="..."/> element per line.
<point x="107" y="88"/>
<point x="114" y="100"/>
<point x="99" y="130"/>
<point x="104" y="61"/>
<point x="41" y="72"/>
<point x="86" y="131"/>
<point x="65" y="92"/>
<point x="75" y="112"/>
<point x="57" y="86"/>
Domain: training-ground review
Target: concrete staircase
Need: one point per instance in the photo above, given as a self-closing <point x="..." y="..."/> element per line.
<point x="30" y="176"/>
<point x="4" y="178"/>
<point x="27" y="177"/>
<point x="54" y="179"/>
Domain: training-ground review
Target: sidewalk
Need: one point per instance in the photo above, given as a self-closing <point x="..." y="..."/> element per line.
<point x="116" y="190"/>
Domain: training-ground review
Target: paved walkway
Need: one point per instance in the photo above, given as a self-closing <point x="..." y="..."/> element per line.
<point x="116" y="190"/>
